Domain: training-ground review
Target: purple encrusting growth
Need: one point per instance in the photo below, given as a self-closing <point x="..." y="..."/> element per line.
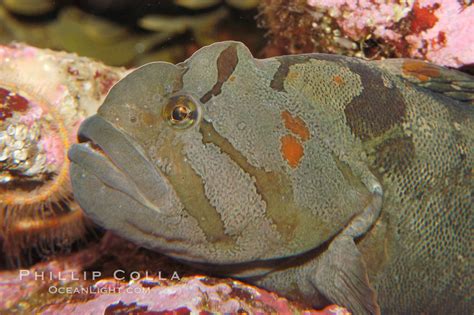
<point x="434" y="30"/>
<point x="439" y="31"/>
<point x="42" y="289"/>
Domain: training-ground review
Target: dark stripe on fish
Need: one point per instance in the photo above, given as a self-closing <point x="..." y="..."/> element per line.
<point x="280" y="75"/>
<point x="226" y="63"/>
<point x="189" y="188"/>
<point x="375" y="110"/>
<point x="273" y="187"/>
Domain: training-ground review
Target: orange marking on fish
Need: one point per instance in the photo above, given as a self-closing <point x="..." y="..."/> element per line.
<point x="292" y="150"/>
<point x="421" y="70"/>
<point x="296" y="125"/>
<point x="232" y="78"/>
<point x="338" y="80"/>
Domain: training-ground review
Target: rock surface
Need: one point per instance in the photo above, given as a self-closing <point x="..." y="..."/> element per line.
<point x="103" y="279"/>
<point x="434" y="30"/>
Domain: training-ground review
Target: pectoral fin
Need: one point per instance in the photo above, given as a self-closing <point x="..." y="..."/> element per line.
<point x="342" y="277"/>
<point x="341" y="273"/>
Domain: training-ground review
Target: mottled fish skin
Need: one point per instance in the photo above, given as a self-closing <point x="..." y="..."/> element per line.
<point x="318" y="176"/>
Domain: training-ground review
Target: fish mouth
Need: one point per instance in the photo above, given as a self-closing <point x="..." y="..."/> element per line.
<point x="107" y="159"/>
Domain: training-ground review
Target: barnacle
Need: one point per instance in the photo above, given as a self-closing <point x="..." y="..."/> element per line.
<point x="36" y="199"/>
<point x="43" y="98"/>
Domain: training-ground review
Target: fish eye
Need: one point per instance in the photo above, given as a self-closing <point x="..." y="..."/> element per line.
<point x="181" y="112"/>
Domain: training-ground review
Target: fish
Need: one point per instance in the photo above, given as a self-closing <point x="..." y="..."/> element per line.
<point x="325" y="178"/>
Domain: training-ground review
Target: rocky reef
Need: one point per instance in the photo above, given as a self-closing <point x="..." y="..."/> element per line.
<point x="113" y="277"/>
<point x="437" y="31"/>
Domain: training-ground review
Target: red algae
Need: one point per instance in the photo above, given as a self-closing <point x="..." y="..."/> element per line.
<point x="423" y="18"/>
<point x="434" y="30"/>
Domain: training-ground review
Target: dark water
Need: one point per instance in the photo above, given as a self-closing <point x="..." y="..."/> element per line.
<point x="118" y="32"/>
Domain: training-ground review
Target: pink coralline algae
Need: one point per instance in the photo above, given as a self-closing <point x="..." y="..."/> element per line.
<point x="439" y="31"/>
<point x="450" y="41"/>
<point x="434" y="30"/>
<point x="71" y="285"/>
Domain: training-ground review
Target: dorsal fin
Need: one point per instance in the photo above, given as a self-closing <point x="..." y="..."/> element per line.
<point x="449" y="82"/>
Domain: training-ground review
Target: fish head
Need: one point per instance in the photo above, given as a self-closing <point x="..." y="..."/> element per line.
<point x="138" y="169"/>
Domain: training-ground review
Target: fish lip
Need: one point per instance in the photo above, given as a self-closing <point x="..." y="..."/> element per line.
<point x="101" y="162"/>
<point x="92" y="145"/>
<point x="88" y="143"/>
<point x="101" y="150"/>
